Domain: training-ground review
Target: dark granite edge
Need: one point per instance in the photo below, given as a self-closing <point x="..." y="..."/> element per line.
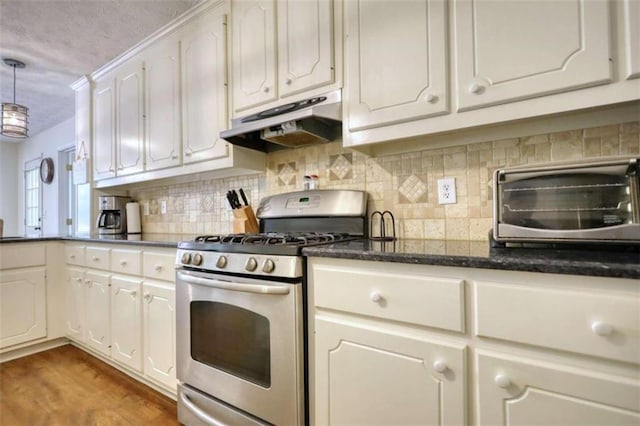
<point x="508" y="263"/>
<point x="89" y="239"/>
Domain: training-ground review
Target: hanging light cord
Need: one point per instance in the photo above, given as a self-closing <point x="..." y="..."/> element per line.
<point x="14" y="83"/>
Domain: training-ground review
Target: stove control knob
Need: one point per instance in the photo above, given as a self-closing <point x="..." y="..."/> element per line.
<point x="268" y="266"/>
<point x="222" y="262"/>
<point x="251" y="264"/>
<point x="197" y="259"/>
<point x="186" y="258"/>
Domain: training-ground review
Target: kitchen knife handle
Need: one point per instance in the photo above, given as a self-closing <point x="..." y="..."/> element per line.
<point x="244" y="197"/>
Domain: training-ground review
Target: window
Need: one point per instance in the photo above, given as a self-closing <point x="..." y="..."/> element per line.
<point x="32" y="198"/>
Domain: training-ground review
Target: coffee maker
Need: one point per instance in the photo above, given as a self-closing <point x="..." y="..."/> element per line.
<point x="113" y="215"/>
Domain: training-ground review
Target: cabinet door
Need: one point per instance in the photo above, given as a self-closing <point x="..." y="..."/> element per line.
<point x="129" y="109"/>
<point x="632" y="37"/>
<point x="521" y="392"/>
<point x="98" y="334"/>
<point x="507" y="51"/>
<point x="204" y="89"/>
<point x="126" y="321"/>
<point x="396" y="61"/>
<point x="253" y="53"/>
<point x="75" y="304"/>
<point x="104" y="164"/>
<point x="162" y="105"/>
<point x="22" y="306"/>
<point x="158" y="324"/>
<point x="305" y="45"/>
<point x="83" y="120"/>
<point x="369" y="377"/>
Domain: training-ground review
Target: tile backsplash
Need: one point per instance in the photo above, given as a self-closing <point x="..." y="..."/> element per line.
<point x="405" y="184"/>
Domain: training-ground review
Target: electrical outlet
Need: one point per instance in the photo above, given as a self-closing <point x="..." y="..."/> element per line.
<point x="447" y="191"/>
<point x="163" y="207"/>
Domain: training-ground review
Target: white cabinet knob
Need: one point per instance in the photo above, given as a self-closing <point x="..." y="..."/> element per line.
<point x="440" y="366"/>
<point x="375" y="296"/>
<point x="158" y="268"/>
<point x="476" y="88"/>
<point x="73" y="256"/>
<point x="147" y="297"/>
<point x="123" y="262"/>
<point x="601" y="328"/>
<point x="175" y="157"/>
<point x="78" y="279"/>
<point x="432" y="99"/>
<point x="187" y="153"/>
<point x="133" y="293"/>
<point x="502" y="381"/>
<point x="265" y="90"/>
<point x="95" y="258"/>
<point x="288" y="81"/>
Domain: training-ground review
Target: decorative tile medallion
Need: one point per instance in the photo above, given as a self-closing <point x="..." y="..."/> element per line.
<point x="413" y="190"/>
<point x="178" y="205"/>
<point x="341" y="166"/>
<point x="207" y="203"/>
<point x="287" y="173"/>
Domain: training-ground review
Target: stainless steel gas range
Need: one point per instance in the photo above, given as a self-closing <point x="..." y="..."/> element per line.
<point x="241" y="312"/>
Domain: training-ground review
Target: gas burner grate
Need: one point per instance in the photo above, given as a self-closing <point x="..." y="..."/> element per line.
<point x="293" y="239"/>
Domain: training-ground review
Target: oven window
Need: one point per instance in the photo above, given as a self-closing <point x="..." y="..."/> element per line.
<point x="231" y="339"/>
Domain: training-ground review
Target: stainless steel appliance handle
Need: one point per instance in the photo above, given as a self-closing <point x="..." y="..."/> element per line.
<point x="225" y="285"/>
<point x="198" y="412"/>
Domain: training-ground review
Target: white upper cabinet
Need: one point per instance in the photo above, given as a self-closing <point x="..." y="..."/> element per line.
<point x="305" y="45"/>
<point x="204" y="88"/>
<point x="632" y="37"/>
<point x="507" y="51"/>
<point x="396" y="67"/>
<point x="104" y="145"/>
<point x="162" y="105"/>
<point x="130" y="115"/>
<point x="253" y="53"/>
<point x="280" y="49"/>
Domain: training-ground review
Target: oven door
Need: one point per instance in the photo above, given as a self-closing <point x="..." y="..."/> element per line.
<point x="240" y="341"/>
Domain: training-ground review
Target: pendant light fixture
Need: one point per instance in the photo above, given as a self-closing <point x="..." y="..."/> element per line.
<point x="14" y="116"/>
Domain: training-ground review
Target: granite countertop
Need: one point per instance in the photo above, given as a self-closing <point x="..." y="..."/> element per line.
<point x="146" y="239"/>
<point x="478" y="254"/>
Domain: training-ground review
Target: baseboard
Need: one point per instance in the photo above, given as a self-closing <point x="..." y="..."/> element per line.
<point x="33" y="349"/>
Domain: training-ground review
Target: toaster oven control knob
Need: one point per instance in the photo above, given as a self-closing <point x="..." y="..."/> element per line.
<point x="186" y="258"/>
<point x="197" y="259"/>
<point x="251" y="264"/>
<point x="222" y="262"/>
<point x="268" y="266"/>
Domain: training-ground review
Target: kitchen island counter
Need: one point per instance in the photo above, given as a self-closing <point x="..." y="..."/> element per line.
<point x="478" y="254"/>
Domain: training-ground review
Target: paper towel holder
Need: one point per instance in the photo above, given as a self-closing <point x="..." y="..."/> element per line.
<point x="134" y="225"/>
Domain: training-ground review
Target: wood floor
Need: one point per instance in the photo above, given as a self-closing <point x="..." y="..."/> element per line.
<point x="66" y="386"/>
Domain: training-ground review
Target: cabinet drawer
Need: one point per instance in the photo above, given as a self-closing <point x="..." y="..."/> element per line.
<point x="583" y="321"/>
<point x="97" y="257"/>
<point x="21" y="255"/>
<point x="408" y="297"/>
<point x="126" y="261"/>
<point x="74" y="255"/>
<point x="159" y="266"/>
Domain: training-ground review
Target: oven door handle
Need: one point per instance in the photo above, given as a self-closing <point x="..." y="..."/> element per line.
<point x="225" y="285"/>
<point x="198" y="412"/>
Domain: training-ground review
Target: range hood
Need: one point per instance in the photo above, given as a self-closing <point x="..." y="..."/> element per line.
<point x="307" y="122"/>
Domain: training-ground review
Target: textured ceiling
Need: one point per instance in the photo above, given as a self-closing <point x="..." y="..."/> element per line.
<point x="60" y="41"/>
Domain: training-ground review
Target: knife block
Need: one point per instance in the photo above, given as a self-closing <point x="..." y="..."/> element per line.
<point x="244" y="221"/>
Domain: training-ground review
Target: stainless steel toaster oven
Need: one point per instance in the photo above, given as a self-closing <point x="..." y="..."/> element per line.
<point x="595" y="202"/>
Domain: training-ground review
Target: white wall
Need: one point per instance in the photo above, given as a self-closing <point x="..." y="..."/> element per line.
<point x="9" y="187"/>
<point x="45" y="144"/>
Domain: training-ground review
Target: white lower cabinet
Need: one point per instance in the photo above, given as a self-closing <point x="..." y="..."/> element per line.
<point x="374" y="377"/>
<point x="522" y="392"/>
<point x="158" y="313"/>
<point x="390" y="345"/>
<point x="22" y="306"/>
<point x="123" y="316"/>
<point x="97" y="309"/>
<point x="126" y="321"/>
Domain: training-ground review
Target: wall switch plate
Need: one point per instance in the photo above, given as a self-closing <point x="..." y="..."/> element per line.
<point x="163" y="207"/>
<point x="447" y="191"/>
